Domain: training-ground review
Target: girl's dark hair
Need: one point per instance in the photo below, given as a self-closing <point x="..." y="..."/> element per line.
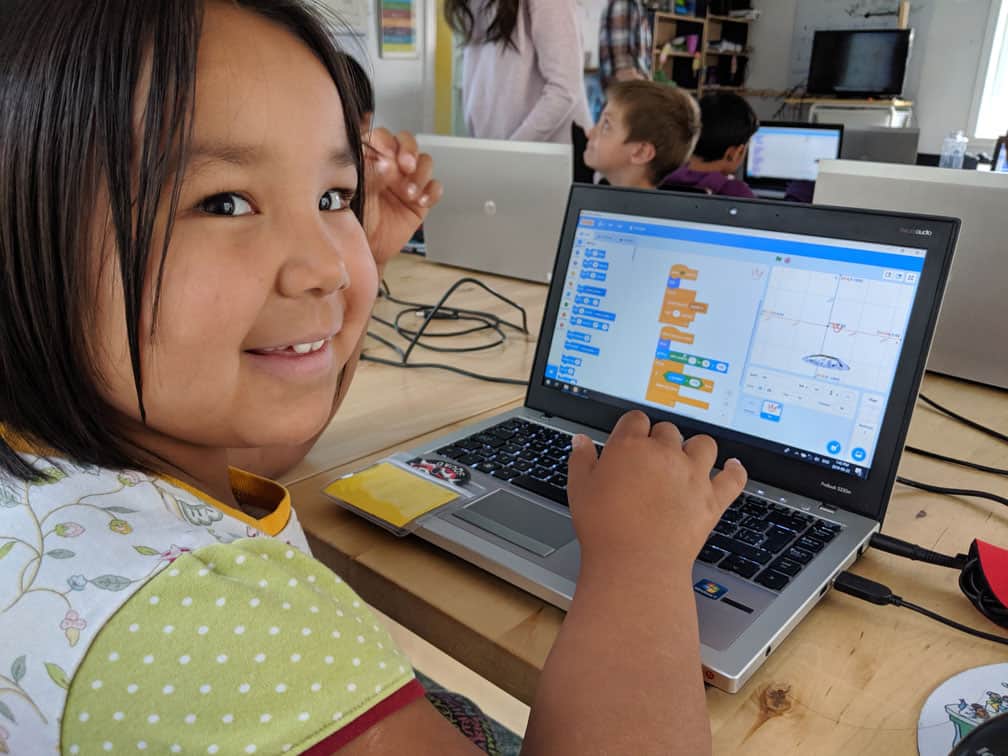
<point x="363" y="89"/>
<point x="70" y="76"/>
<point x="504" y="19"/>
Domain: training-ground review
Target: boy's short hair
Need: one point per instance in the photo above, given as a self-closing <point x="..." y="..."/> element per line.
<point x="728" y="121"/>
<point x="664" y="116"/>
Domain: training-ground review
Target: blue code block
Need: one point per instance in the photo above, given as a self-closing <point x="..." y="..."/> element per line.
<point x="584" y="348"/>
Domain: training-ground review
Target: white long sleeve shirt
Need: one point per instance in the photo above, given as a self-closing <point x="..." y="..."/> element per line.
<point x="532" y="93"/>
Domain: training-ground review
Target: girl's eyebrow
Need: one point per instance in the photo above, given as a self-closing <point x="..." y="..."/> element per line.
<point x="244" y="155"/>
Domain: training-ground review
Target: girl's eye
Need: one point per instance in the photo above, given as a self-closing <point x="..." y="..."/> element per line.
<point x="335" y="199"/>
<point x="226" y="203"/>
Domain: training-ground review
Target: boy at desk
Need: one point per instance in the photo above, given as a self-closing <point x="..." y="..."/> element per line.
<point x="728" y="125"/>
<point x="646" y="131"/>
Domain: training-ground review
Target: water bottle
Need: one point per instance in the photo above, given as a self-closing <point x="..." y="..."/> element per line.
<point x="953" y="150"/>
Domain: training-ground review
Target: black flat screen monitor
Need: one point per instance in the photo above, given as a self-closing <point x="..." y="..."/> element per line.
<point x="859" y="63"/>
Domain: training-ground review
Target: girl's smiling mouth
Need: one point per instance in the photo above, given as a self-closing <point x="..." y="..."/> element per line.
<point x="307" y="359"/>
<point x="303" y="348"/>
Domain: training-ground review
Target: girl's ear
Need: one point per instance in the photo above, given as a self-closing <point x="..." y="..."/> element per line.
<point x="643" y="153"/>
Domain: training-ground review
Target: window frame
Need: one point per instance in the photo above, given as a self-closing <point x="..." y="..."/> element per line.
<point x="996" y="31"/>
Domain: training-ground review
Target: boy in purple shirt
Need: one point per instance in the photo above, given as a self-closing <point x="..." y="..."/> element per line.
<point x="728" y="125"/>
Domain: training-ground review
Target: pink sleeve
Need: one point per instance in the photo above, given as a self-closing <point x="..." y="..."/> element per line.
<point x="557" y="44"/>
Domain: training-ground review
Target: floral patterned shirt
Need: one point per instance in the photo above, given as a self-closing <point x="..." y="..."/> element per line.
<point x="111" y="582"/>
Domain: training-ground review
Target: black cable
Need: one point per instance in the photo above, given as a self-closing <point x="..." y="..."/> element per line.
<point x="956" y="461"/>
<point x="484" y="321"/>
<point x="972" y="493"/>
<point x="882" y="595"/>
<point x="787" y="95"/>
<point x="976" y="587"/>
<point x="898" y="601"/>
<point x="908" y="550"/>
<point x="965" y="420"/>
<point x="973" y="580"/>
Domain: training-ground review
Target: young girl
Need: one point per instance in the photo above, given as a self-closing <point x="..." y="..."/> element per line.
<point x="184" y="273"/>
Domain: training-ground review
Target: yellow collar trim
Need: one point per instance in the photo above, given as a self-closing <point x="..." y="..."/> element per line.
<point x="257" y="491"/>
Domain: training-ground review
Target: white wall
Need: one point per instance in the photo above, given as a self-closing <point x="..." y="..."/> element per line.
<point x="771" y="37"/>
<point x="944" y="62"/>
<point x="404" y="88"/>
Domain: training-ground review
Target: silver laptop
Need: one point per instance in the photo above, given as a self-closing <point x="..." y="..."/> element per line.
<point x="795" y="335"/>
<point x="880" y="145"/>
<point x="502" y="207"/>
<point x="781" y="152"/>
<point x="970" y="334"/>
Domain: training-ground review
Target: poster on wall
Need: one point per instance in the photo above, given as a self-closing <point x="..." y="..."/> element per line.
<point x="397" y="29"/>
<point x="353" y="13"/>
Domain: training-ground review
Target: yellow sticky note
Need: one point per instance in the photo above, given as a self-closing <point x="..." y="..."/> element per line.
<point x="390" y="493"/>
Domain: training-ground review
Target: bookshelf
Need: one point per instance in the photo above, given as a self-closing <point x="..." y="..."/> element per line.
<point x="697" y="64"/>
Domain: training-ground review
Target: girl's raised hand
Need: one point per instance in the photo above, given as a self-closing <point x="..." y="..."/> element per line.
<point x="400" y="191"/>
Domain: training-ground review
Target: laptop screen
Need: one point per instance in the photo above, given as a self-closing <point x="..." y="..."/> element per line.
<point x="791" y="340"/>
<point x="791" y="153"/>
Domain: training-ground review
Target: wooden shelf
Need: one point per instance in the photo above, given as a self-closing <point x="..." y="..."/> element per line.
<point x="729" y="19"/>
<point x="744" y="54"/>
<point x="670" y="17"/>
<point x="709" y="28"/>
<point x="894" y="102"/>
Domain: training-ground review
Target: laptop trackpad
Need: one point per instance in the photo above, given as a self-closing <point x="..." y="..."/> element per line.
<point x="519" y="521"/>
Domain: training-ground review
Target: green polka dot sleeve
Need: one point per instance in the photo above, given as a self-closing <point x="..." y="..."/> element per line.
<point x="250" y="647"/>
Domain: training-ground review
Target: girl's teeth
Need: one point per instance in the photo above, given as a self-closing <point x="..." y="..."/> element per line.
<point x="312" y="346"/>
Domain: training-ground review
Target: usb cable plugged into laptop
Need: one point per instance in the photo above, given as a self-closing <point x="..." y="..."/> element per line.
<point x="983" y="579"/>
<point x="876" y="593"/>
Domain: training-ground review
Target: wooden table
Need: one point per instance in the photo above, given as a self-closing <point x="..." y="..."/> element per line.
<point x="850" y="679"/>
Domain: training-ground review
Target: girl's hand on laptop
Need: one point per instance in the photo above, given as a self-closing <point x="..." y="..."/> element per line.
<point x="400" y="191"/>
<point x="649" y="499"/>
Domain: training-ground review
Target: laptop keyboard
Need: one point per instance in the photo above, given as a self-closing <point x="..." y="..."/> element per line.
<point x="757" y="539"/>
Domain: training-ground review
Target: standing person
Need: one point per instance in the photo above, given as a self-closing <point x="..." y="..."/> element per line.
<point x="522" y="71"/>
<point x="625" y="42"/>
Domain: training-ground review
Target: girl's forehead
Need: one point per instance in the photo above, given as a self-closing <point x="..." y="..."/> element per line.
<point x="256" y="80"/>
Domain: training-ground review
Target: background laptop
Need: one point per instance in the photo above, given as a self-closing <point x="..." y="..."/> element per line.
<point x="785" y="151"/>
<point x="779" y="329"/>
<point x="969" y="339"/>
<point x="879" y="144"/>
<point x="503" y="204"/>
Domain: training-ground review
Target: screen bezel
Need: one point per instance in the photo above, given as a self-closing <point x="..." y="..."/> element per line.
<point x="781" y="181"/>
<point x="812" y="87"/>
<point x="867" y="496"/>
